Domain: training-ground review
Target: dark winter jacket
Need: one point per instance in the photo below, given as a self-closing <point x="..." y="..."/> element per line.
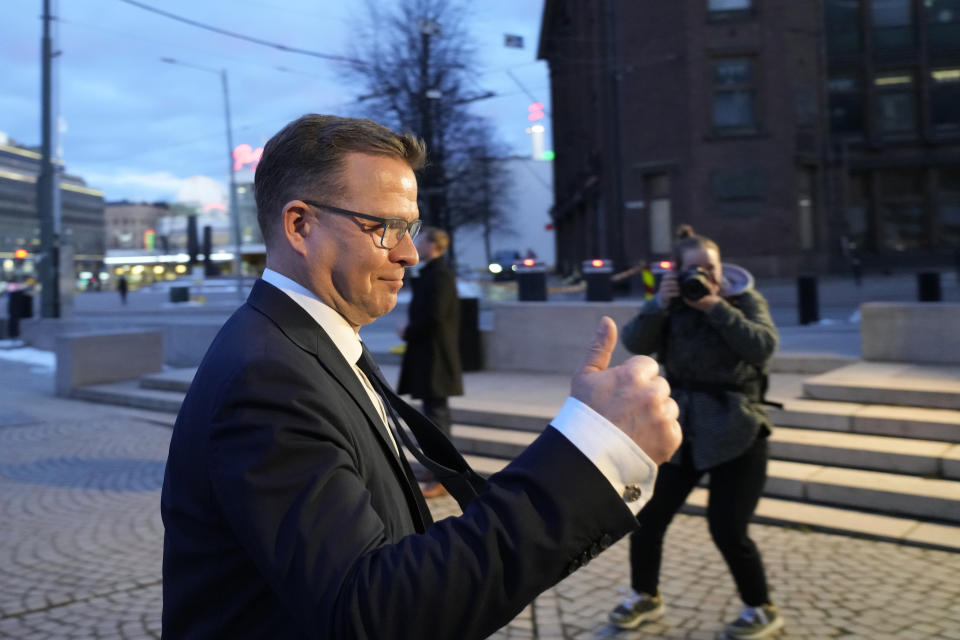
<point x="431" y="365"/>
<point x="716" y="363"/>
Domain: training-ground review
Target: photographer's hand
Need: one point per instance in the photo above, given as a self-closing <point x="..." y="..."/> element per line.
<point x="669" y="288"/>
<point x="703" y="304"/>
<point x="632" y="396"/>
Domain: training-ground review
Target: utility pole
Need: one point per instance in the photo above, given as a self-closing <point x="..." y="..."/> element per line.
<point x="234" y="212"/>
<point x="234" y="209"/>
<point x="48" y="182"/>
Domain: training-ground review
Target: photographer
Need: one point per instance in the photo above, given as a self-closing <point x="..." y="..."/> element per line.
<point x="713" y="335"/>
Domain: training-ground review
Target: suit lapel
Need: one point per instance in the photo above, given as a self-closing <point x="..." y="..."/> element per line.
<point x="303" y="330"/>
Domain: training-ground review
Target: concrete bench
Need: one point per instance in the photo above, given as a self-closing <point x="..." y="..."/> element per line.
<point x="97" y="357"/>
<point x="920" y="332"/>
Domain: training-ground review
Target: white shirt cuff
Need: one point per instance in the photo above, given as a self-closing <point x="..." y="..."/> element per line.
<point x="622" y="462"/>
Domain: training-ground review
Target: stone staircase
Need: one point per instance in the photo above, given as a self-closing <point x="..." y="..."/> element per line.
<point x="857" y="450"/>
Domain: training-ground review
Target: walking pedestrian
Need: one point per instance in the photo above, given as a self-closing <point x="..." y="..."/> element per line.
<point x="713" y="334"/>
<point x="431" y="371"/>
<point x="122" y="287"/>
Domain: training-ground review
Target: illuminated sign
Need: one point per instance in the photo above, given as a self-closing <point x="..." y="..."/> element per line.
<point x="535" y="112"/>
<point x="244" y="155"/>
<point x="149" y="238"/>
<point x="207" y="208"/>
<point x="20" y="254"/>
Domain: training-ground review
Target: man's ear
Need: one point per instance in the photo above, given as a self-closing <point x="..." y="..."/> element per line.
<point x="296" y="225"/>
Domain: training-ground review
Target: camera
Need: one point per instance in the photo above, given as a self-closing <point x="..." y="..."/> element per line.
<point x="694" y="283"/>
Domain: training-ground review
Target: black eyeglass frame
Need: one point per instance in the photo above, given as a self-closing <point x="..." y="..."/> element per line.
<point x="413" y="227"/>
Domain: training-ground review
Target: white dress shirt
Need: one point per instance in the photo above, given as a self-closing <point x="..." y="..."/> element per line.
<point x="626" y="467"/>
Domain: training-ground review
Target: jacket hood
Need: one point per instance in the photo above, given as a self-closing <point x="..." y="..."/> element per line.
<point x="736" y="280"/>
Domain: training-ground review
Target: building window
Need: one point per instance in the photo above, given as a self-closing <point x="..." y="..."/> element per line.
<point x="657" y="191"/>
<point x="806" y="213"/>
<point x="896" y="103"/>
<point x="739" y="192"/>
<point x="734" y="109"/>
<point x="842" y="20"/>
<point x="943" y="26"/>
<point x="945" y="99"/>
<point x="949" y="205"/>
<point x="722" y="10"/>
<point x="858" y="200"/>
<point x="846" y="105"/>
<point x="892" y="26"/>
<point x="902" y="219"/>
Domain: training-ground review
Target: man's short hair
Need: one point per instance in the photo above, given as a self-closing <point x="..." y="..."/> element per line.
<point x="438" y="237"/>
<point x="304" y="160"/>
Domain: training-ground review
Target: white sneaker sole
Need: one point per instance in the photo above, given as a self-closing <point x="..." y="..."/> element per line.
<point x="649" y="616"/>
<point x="759" y="635"/>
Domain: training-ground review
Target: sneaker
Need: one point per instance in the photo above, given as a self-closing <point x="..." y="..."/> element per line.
<point x="635" y="609"/>
<point x="755" y="622"/>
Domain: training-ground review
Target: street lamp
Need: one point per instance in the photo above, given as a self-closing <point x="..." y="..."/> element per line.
<point x="234" y="209"/>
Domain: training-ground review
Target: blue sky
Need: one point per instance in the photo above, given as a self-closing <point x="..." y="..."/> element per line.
<point x="140" y="129"/>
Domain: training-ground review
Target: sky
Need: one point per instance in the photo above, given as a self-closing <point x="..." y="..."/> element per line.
<point x="143" y="130"/>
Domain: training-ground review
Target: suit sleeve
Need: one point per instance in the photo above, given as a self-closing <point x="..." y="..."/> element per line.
<point x="433" y="305"/>
<point x="286" y="475"/>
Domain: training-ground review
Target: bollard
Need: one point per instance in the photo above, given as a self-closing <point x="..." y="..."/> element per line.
<point x="179" y="294"/>
<point x="597" y="274"/>
<point x="531" y="281"/>
<point x="471" y="351"/>
<point x="14" y="312"/>
<point x="928" y="287"/>
<point x="808" y="306"/>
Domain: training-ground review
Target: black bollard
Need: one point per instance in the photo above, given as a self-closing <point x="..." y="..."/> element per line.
<point x="471" y="349"/>
<point x="928" y="287"/>
<point x="808" y="305"/>
<point x="531" y="281"/>
<point x="597" y="274"/>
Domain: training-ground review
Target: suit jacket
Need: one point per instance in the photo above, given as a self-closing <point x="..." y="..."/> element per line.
<point x="288" y="514"/>
<point x="431" y="364"/>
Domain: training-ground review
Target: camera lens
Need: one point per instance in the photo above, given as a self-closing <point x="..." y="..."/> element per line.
<point x="693" y="284"/>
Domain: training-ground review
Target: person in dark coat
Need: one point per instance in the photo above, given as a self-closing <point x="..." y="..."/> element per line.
<point x="716" y="351"/>
<point x="123" y="287"/>
<point x="431" y="370"/>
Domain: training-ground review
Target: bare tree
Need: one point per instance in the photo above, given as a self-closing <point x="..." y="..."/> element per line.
<point x="416" y="66"/>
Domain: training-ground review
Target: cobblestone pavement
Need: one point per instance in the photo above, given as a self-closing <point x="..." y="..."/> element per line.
<point x="80" y="550"/>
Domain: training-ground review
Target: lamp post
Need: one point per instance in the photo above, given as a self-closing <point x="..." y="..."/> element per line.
<point x="234" y="209"/>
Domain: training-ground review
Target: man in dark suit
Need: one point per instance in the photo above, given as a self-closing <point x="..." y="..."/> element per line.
<point x="431" y="369"/>
<point x="289" y="508"/>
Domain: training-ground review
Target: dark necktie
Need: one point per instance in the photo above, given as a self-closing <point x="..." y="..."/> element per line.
<point x="435" y="452"/>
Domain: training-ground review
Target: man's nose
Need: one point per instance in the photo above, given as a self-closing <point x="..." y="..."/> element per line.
<point x="405" y="252"/>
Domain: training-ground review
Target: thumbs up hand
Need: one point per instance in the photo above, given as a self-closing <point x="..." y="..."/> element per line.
<point x="632" y="395"/>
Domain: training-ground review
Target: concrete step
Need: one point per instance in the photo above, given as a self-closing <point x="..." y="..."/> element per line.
<point x="894" y="455"/>
<point x="891" y="383"/>
<point x="878" y="491"/>
<point x="131" y="394"/>
<point x="881" y="420"/>
<point x="818" y="517"/>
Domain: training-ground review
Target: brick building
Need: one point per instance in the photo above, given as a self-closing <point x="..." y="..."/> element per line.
<point x="790" y="132"/>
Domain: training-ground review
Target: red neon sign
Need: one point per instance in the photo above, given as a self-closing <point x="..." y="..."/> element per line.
<point x="21" y="254"/>
<point x="536" y="112"/>
<point x="529" y="262"/>
<point x="244" y="154"/>
<point x="597" y="262"/>
<point x="666" y="264"/>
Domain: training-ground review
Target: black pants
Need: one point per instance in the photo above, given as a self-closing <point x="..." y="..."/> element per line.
<point x="735" y="488"/>
<point x="438" y="410"/>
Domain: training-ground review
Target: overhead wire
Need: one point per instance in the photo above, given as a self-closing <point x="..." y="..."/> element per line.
<point x="240" y="36"/>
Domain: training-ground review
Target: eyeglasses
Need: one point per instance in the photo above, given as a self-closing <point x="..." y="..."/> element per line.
<point x="393" y="229"/>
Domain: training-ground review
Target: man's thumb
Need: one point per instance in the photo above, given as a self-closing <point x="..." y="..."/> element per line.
<point x="600" y="350"/>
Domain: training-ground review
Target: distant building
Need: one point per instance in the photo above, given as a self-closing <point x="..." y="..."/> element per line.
<point x="82" y="211"/>
<point x="793" y="133"/>
<point x="133" y="225"/>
